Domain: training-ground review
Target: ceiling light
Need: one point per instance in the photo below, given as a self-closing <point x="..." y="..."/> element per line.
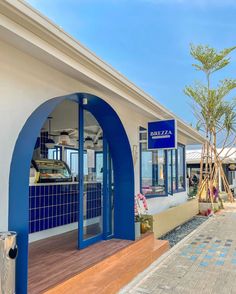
<point x="64" y="138"/>
<point x="88" y="143"/>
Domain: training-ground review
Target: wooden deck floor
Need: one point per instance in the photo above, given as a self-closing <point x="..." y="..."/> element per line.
<point x="56" y="259"/>
<point x="114" y="272"/>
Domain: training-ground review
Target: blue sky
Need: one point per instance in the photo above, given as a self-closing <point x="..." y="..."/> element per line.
<point x="148" y="40"/>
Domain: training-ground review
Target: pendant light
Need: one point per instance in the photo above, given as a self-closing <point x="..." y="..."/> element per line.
<point x="64" y="138"/>
<point x="88" y="142"/>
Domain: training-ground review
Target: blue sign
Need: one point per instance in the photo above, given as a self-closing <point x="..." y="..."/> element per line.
<point x="162" y="134"/>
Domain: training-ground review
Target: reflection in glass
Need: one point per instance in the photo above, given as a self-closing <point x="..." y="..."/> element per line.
<point x="93" y="178"/>
<point x="181" y="182"/>
<point x="153" y="171"/>
<point x="72" y="157"/>
<point x="169" y="172"/>
<point x="54" y="153"/>
<point x="174" y="170"/>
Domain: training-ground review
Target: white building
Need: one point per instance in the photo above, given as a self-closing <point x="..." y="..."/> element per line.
<point x="228" y="158"/>
<point x="45" y="72"/>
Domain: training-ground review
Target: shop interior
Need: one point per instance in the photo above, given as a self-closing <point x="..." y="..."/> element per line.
<point x="70" y="193"/>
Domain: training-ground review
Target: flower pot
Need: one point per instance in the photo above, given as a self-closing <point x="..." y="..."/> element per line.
<point x="145" y="227"/>
<point x="204" y="206"/>
<point x="137" y="230"/>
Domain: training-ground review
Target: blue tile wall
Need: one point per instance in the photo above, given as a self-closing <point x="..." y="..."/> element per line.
<point x="51" y="206"/>
<point x="94" y="208"/>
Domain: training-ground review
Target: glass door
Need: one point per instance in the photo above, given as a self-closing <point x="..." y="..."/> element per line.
<point x="108" y="192"/>
<point x="110" y="197"/>
<point x="94" y="182"/>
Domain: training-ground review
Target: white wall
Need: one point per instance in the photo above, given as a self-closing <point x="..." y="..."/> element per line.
<point x="25" y="83"/>
<point x="156" y="205"/>
<point x="52" y="232"/>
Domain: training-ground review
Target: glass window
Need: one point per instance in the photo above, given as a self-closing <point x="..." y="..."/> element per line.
<point x="72" y="157"/>
<point x="152" y="171"/>
<point x="169" y="171"/>
<point x="99" y="166"/>
<point x="85" y="163"/>
<point x="174" y="170"/>
<point x="231" y="177"/>
<point x="93" y="187"/>
<point x="180" y="167"/>
<point x="54" y="153"/>
<point x="162" y="172"/>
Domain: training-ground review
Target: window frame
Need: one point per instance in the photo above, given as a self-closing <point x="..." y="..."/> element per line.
<point x="170" y="154"/>
<point x="178" y="190"/>
<point x="184" y="169"/>
<point x="166" y="154"/>
<point x="165" y="173"/>
<point x="56" y="152"/>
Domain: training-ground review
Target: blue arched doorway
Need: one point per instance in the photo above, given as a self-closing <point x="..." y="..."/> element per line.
<point x="19" y="174"/>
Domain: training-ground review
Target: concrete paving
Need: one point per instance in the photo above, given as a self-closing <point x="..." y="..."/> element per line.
<point x="203" y="262"/>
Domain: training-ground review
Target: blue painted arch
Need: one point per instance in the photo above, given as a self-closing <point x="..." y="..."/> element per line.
<point x="19" y="174"/>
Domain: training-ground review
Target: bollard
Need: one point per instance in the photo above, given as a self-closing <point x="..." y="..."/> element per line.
<point x="8" y="254"/>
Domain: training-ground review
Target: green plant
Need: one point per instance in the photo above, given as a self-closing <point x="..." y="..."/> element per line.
<point x="215" y="113"/>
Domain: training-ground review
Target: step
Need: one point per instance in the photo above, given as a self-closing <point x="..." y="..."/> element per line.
<point x="160" y="247"/>
<point x="114" y="272"/>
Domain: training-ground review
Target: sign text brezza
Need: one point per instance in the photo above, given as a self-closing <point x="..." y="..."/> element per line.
<point x="162" y="134"/>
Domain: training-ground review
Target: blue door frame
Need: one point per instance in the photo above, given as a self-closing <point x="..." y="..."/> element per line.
<point x="107" y="192"/>
<point x="106" y="207"/>
<point x="120" y="150"/>
<point x="106" y="214"/>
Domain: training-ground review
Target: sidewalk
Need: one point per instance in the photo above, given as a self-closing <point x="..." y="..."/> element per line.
<point x="204" y="262"/>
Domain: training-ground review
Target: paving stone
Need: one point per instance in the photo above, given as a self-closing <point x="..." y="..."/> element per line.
<point x="205" y="263"/>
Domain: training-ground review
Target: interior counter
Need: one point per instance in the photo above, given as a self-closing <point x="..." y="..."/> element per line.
<point x="56" y="204"/>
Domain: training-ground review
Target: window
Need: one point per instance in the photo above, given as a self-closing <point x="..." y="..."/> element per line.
<point x="161" y="172"/>
<point x="176" y="169"/>
<point x="169" y="172"/>
<point x="54" y="153"/>
<point x="99" y="166"/>
<point x="153" y="170"/>
<point x="181" y="167"/>
<point x="231" y="177"/>
<point x="72" y="159"/>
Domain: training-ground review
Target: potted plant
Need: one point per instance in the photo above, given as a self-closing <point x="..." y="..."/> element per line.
<point x="141" y="224"/>
<point x="137" y="227"/>
<point x="210" y="204"/>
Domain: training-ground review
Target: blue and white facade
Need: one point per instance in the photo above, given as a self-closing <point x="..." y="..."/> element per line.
<point x="41" y="68"/>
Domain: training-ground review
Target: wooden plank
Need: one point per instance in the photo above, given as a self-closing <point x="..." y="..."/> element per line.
<point x="56" y="266"/>
<point x="111" y="274"/>
<point x="56" y="259"/>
